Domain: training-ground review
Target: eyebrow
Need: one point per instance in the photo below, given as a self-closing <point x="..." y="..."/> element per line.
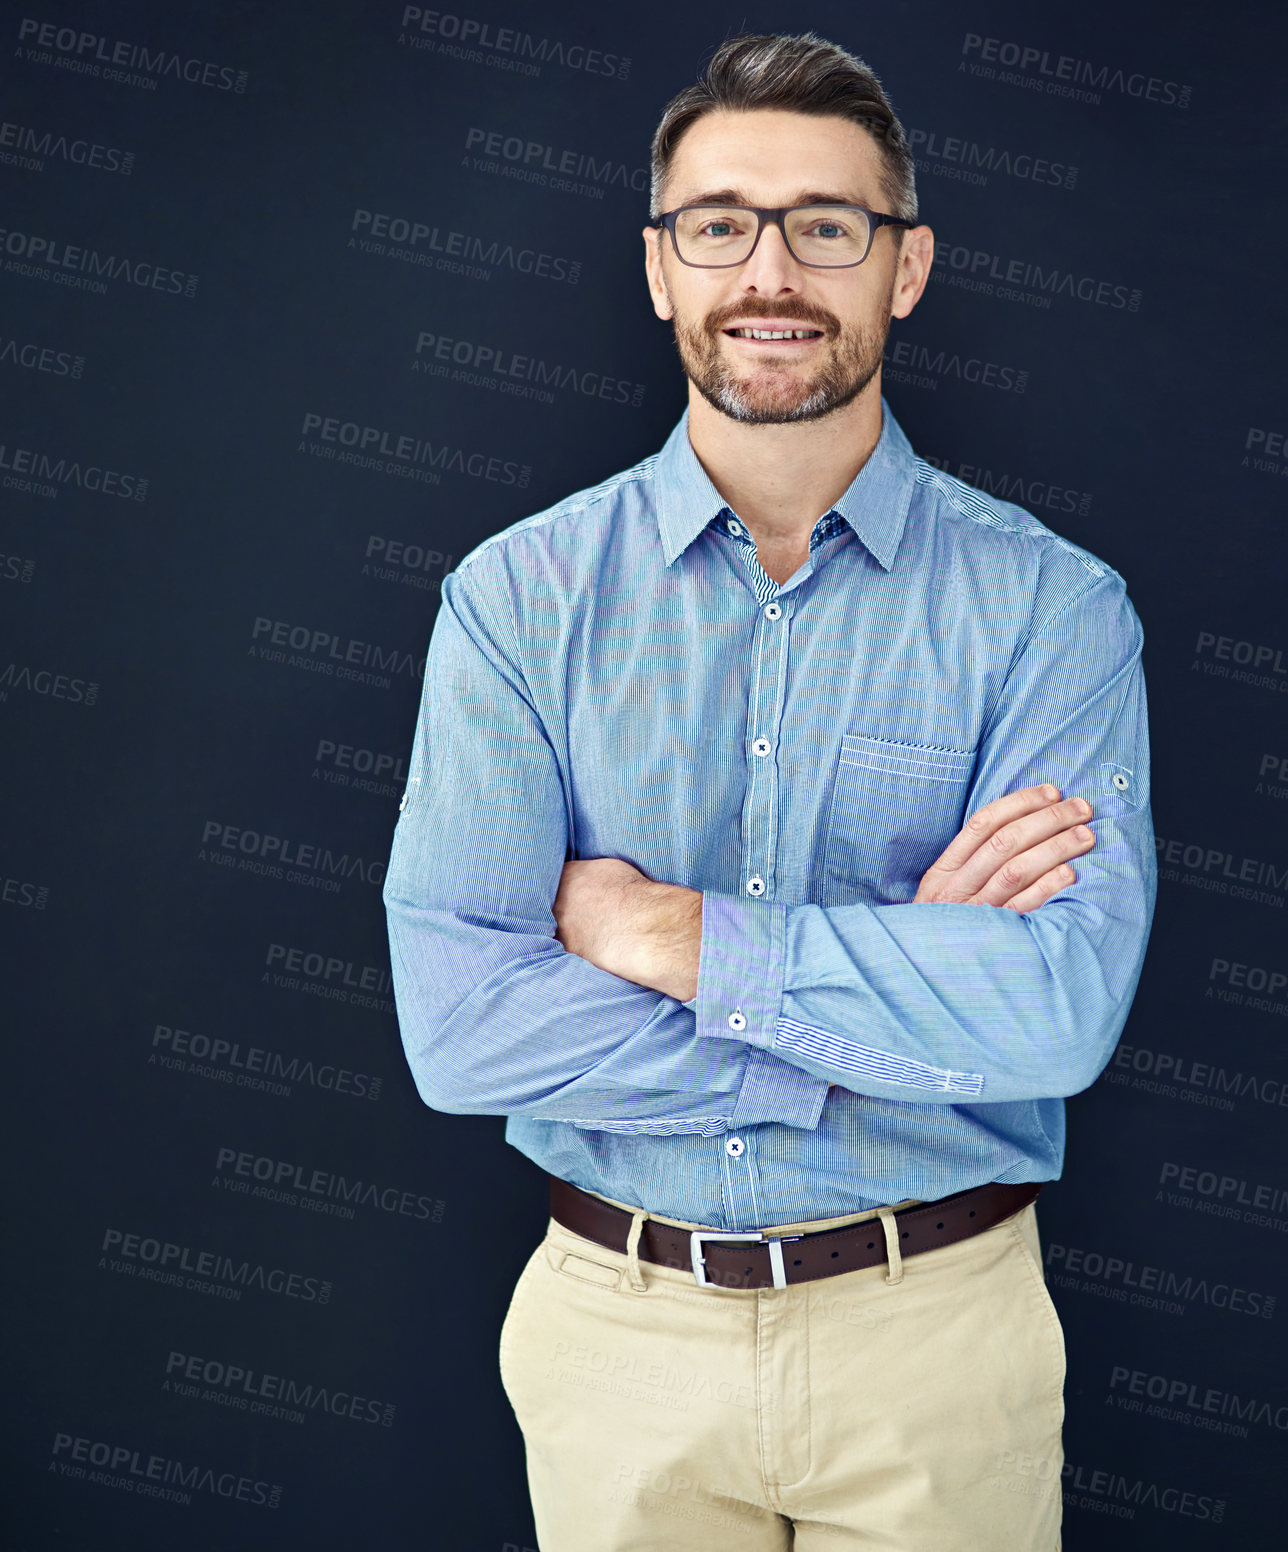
<point x="740" y="197"/>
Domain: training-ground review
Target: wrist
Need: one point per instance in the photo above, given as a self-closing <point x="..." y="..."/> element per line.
<point x="669" y="942"/>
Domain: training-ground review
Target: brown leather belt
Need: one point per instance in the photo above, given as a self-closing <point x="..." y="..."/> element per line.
<point x="750" y="1260"/>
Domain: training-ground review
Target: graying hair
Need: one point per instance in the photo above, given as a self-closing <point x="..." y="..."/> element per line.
<point x="802" y="74"/>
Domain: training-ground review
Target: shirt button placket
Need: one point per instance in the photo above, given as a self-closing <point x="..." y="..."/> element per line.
<point x="740" y="1178"/>
<point x="762" y="805"/>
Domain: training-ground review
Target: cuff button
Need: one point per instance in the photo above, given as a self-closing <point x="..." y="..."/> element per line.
<point x="737" y="1021"/>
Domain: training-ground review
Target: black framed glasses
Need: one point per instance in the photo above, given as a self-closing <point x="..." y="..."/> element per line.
<point x="822" y="236"/>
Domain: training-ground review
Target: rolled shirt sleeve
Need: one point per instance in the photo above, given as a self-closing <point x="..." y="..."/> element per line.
<point x="949" y="1003"/>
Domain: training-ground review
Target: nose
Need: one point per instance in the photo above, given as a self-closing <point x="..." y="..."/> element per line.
<point x="771" y="270"/>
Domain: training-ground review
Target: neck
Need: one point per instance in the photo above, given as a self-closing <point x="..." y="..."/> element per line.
<point x="780" y="480"/>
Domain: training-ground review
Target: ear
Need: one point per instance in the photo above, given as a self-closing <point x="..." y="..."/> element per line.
<point x="653" y="238"/>
<point x="916" y="254"/>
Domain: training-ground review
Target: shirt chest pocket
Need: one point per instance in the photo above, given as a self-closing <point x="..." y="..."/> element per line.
<point x="895" y="807"/>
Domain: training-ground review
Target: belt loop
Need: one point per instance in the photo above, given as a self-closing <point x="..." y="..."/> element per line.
<point x="633" y="1272"/>
<point x="894" y="1273"/>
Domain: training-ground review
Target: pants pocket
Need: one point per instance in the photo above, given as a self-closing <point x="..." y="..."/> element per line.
<point x="513" y="1315"/>
<point x="1024" y="1232"/>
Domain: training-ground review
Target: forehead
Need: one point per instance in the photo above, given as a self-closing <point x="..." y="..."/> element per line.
<point x="772" y="157"/>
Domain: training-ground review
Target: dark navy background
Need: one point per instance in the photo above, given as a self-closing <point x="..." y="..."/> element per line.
<point x="200" y="801"/>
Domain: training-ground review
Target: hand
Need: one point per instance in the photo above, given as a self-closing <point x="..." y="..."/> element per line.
<point x="609" y="913"/>
<point x="1013" y="852"/>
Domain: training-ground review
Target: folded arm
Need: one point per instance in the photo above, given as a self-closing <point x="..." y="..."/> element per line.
<point x="497" y="1017"/>
<point x="955" y="997"/>
<point x="954" y="1003"/>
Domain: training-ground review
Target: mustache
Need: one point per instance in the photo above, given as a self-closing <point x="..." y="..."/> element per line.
<point x="796" y="311"/>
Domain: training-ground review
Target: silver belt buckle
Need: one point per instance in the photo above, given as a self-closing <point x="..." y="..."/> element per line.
<point x="775" y="1244"/>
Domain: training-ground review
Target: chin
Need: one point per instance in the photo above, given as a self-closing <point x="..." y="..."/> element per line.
<point x="742" y="402"/>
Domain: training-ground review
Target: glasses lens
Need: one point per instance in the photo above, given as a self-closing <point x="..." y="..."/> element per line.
<point x="714" y="234"/>
<point x="828" y="234"/>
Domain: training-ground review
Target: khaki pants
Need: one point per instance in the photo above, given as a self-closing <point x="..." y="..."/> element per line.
<point x="913" y="1407"/>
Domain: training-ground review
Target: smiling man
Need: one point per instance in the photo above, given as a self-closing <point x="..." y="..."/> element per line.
<point x="736" y="869"/>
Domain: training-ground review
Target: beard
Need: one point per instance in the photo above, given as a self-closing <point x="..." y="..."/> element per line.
<point x="771" y="393"/>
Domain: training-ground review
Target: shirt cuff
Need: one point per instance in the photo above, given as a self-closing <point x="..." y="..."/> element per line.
<point x="774" y="1090"/>
<point x="740" y="968"/>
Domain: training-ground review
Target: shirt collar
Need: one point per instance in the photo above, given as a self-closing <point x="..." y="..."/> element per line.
<point x="875" y="505"/>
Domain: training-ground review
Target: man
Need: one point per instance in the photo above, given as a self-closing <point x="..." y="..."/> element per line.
<point x="736" y="868"/>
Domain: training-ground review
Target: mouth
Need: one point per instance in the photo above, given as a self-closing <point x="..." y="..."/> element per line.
<point x="774" y="336"/>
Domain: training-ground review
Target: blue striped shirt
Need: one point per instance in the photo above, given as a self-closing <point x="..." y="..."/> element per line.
<point x="618" y="677"/>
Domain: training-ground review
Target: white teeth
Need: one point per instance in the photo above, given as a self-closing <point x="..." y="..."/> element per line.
<point x="773" y="333"/>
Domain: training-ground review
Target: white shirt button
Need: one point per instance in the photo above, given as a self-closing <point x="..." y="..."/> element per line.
<point x="735" y="1147"/>
<point x="755" y="886"/>
<point x="773" y="611"/>
<point x="1120" y="781"/>
<point x="737" y="1021"/>
<point x="761" y="747"/>
<point x="402" y="802"/>
<point x="734" y="527"/>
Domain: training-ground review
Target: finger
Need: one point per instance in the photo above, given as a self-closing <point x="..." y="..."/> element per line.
<point x="1020" y="836"/>
<point x="1039" y="893"/>
<point x="985" y="821"/>
<point x="1018" y="873"/>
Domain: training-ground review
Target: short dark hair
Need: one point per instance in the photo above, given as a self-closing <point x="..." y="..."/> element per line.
<point x="803" y="74"/>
